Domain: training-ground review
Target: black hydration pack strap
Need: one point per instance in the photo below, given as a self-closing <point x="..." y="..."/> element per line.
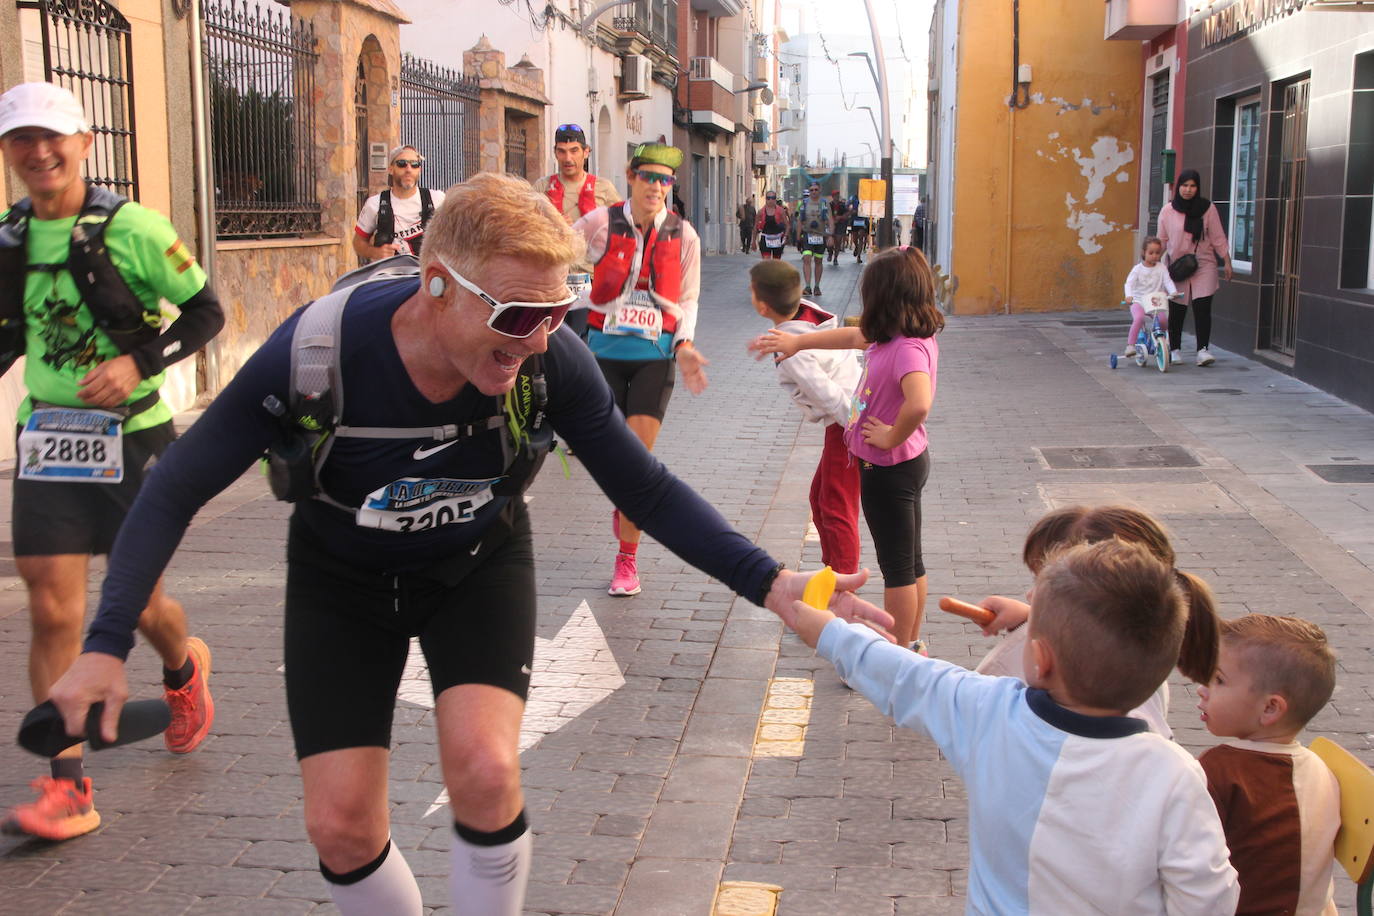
<point x="104" y="291"/>
<point x="385" y="233"/>
<point x="312" y="421"/>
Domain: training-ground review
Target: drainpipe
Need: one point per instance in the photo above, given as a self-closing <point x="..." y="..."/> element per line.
<point x="205" y="199"/>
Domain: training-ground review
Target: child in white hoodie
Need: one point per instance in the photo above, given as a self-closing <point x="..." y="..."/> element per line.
<point x="1148" y="286"/>
<point x="821" y="383"/>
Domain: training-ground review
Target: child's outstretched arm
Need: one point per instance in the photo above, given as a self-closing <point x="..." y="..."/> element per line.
<point x="785" y="344"/>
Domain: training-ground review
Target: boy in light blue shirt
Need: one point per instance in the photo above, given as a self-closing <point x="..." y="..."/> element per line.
<point x="1074" y="807"/>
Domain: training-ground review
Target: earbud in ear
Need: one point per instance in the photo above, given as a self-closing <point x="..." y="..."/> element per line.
<point x="436" y="286"/>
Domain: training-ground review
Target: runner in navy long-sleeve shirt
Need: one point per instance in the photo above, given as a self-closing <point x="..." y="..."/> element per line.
<point x="417" y="536"/>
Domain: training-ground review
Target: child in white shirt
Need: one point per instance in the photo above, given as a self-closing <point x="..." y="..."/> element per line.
<point x="1074" y="807"/>
<point x="1148" y="286"/>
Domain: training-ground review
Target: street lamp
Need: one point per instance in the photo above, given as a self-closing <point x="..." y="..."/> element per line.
<point x="869" y="108"/>
<point x="885" y="140"/>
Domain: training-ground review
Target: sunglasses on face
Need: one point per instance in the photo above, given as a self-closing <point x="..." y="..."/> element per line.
<point x="656" y="177"/>
<point x="516" y="319"/>
<point x="408" y="163"/>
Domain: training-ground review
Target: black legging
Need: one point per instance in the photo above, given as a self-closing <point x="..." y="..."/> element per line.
<point x="1202" y="322"/>
<point x="891" y="498"/>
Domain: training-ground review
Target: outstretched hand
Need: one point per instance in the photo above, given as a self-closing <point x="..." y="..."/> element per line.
<point x="1011" y="613"/>
<point x="773" y="341"/>
<point x="784" y="599"/>
<point x="692" y="365"/>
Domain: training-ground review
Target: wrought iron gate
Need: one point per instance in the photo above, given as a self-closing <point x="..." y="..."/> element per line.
<point x="439" y="118"/>
<point x="87" y="47"/>
<point x="1292" y="182"/>
<point x="362" y="160"/>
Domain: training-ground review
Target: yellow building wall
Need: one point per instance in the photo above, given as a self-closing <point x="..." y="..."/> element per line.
<point x="150" y="82"/>
<point x="1045" y="196"/>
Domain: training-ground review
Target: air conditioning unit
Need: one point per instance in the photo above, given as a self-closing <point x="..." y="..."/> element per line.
<point x="636" y="76"/>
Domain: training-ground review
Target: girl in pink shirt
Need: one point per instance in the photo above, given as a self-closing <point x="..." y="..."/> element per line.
<point x="886" y="430"/>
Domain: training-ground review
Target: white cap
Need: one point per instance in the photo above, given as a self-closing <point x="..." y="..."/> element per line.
<point x="41" y="105"/>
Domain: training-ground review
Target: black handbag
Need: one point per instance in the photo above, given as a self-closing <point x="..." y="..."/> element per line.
<point x="1185" y="265"/>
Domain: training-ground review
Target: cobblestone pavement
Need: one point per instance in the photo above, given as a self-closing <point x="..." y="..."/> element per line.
<point x="644" y="783"/>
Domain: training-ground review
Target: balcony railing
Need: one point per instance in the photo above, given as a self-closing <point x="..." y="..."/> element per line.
<point x="708" y="68"/>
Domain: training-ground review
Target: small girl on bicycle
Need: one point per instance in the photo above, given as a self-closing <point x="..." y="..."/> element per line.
<point x="1197" y="656"/>
<point x="886" y="430"/>
<point x="1149" y="286"/>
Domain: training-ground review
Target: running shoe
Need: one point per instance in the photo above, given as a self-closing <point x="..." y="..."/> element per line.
<point x="806" y="291"/>
<point x="1130" y="351"/>
<point x="1205" y="358"/>
<point x="815" y="290"/>
<point x="193" y="709"/>
<point x="63" y="810"/>
<point x="625" y="582"/>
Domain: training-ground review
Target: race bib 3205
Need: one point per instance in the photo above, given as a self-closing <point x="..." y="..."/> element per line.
<point x="422" y="503"/>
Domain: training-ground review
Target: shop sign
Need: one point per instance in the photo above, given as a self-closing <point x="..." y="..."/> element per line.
<point x="1244" y="15"/>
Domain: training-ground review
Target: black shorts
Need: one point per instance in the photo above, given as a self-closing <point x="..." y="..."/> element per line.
<point x="53" y="517"/>
<point x="641" y="387"/>
<point x="891" y="498"/>
<point x="348" y="631"/>
<point x="816" y="251"/>
<point x="771" y="252"/>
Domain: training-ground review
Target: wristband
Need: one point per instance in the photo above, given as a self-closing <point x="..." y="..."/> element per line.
<point x="769" y="578"/>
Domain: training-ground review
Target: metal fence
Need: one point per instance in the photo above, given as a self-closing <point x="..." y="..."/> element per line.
<point x="87" y="48"/>
<point x="439" y="118"/>
<point x="261" y="83"/>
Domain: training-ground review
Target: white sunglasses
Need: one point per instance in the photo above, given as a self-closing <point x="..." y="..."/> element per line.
<point x="515" y="319"/>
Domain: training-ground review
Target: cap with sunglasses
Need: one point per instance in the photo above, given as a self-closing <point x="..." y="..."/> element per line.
<point x="569" y="133"/>
<point x="395" y="153"/>
<point x="771" y="195"/>
<point x="656" y="154"/>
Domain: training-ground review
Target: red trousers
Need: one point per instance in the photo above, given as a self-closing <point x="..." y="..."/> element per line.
<point x="835" y="503"/>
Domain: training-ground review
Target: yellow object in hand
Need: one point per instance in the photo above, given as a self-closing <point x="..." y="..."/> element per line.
<point x="820" y="588"/>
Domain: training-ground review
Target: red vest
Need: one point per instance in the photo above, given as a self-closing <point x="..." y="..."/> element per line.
<point x="660" y="270"/>
<point x="586" y="198"/>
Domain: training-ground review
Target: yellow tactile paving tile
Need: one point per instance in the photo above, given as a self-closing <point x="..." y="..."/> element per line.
<point x="746" y="898"/>
<point x="786" y="713"/>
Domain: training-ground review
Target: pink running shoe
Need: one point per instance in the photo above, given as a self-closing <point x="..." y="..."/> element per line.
<point x="625" y="582"/>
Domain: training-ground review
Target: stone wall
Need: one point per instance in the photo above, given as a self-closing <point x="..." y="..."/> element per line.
<point x="510" y="96"/>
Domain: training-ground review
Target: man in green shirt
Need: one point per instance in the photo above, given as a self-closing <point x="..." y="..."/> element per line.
<point x="93" y="422"/>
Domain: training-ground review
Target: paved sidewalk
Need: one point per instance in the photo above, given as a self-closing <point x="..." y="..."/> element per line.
<point x="642" y="779"/>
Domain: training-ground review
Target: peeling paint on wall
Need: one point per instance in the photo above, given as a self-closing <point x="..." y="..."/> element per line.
<point x="1107" y="159"/>
<point x="1108" y="155"/>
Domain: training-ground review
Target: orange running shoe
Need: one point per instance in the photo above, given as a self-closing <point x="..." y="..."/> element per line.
<point x="63" y="810"/>
<point x="193" y="709"/>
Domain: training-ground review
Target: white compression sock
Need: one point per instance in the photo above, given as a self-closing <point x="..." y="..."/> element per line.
<point x="385" y="885"/>
<point x="490" y="870"/>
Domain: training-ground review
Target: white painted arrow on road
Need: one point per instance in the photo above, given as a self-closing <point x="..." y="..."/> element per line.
<point x="572" y="672"/>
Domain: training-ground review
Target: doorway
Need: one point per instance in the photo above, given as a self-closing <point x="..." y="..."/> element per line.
<point x="1292" y="183"/>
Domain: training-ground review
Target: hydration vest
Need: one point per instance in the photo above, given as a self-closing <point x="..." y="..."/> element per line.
<point x="105" y="293"/>
<point x="586" y="198"/>
<point x="771" y="223"/>
<point x="312" y="421"/>
<point x="812" y="223"/>
<point x="662" y="258"/>
<point x="385" y="233"/>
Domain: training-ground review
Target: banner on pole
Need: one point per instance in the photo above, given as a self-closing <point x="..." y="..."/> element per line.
<point x="872" y="197"/>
